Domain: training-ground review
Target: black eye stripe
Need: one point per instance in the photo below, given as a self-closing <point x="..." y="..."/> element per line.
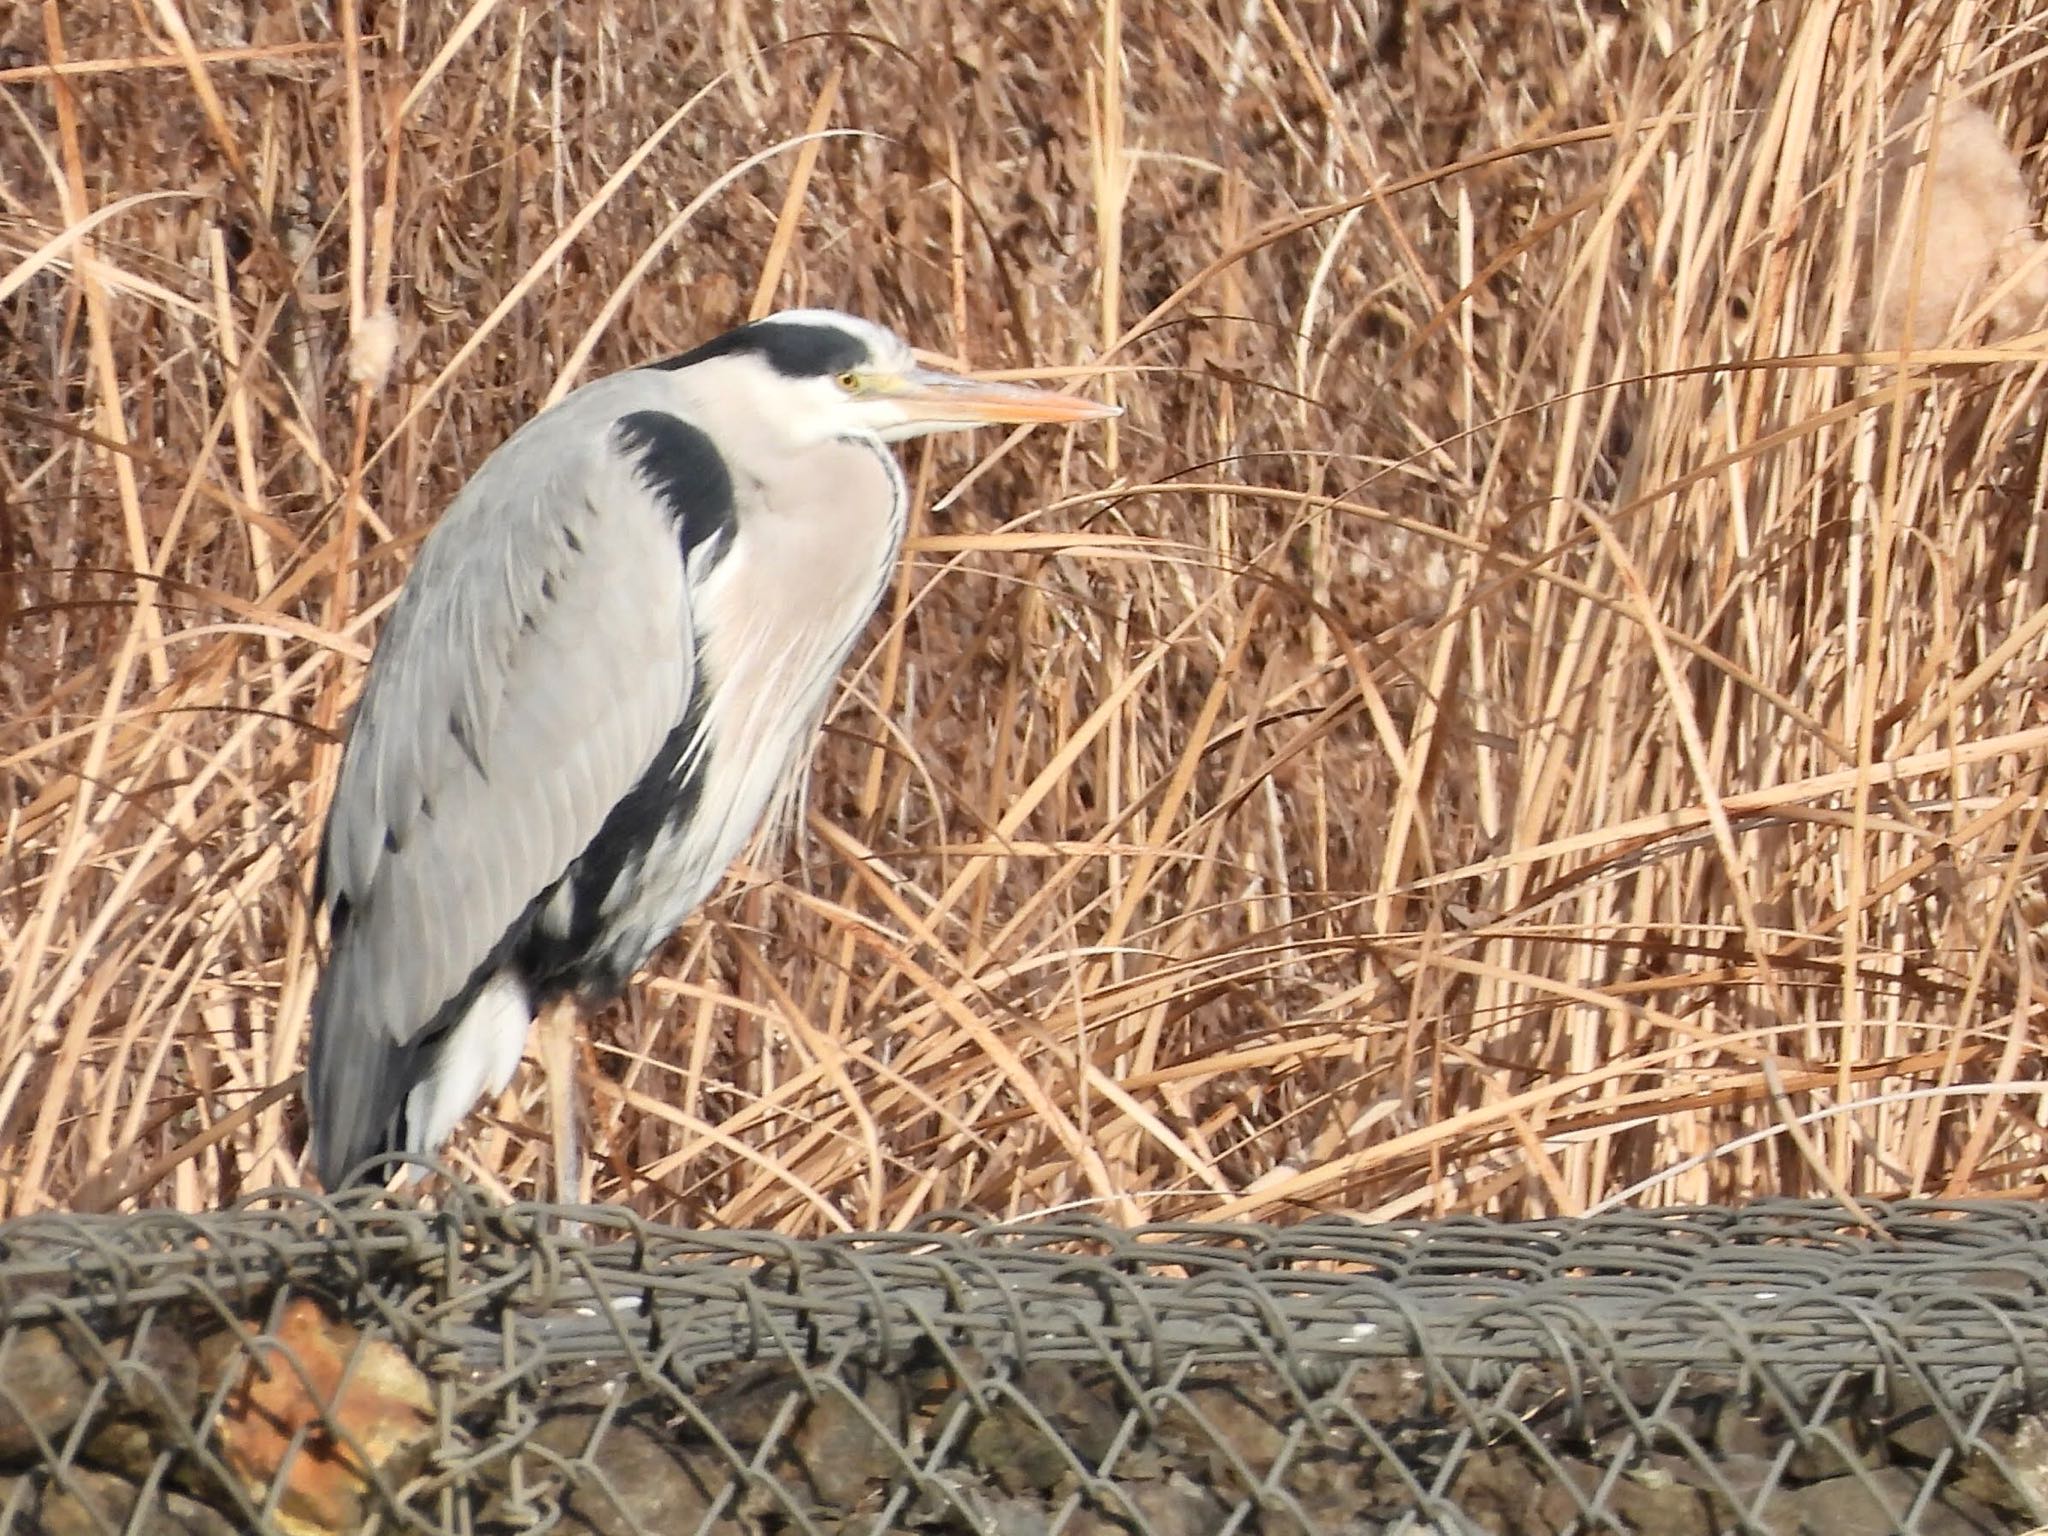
<point x="795" y="349"/>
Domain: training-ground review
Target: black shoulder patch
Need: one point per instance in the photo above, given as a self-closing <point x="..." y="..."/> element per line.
<point x="686" y="471"/>
<point x="796" y="349"/>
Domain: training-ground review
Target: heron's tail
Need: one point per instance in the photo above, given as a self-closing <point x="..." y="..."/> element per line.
<point x="369" y="1093"/>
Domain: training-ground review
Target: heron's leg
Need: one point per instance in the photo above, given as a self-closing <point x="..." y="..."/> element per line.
<point x="557" y="1041"/>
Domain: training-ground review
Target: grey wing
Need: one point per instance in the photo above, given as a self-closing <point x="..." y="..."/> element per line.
<point x="538" y="659"/>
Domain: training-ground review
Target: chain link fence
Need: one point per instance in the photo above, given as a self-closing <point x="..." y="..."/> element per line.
<point x="306" y="1366"/>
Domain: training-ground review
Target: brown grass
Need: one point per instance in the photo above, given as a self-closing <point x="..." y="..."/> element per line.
<point x="1516" y="715"/>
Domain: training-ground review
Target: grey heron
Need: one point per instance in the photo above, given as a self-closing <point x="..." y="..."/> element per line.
<point x="603" y="673"/>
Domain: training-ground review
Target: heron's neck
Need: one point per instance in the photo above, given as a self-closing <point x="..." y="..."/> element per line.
<point x="814" y="546"/>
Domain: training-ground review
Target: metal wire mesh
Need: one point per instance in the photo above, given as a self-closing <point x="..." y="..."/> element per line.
<point x="304" y="1366"/>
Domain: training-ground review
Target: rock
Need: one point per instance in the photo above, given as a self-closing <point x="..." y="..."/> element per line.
<point x="1655" y="1492"/>
<point x="85" y="1503"/>
<point x="2021" y="1486"/>
<point x="1387" y="1391"/>
<point x="43" y="1389"/>
<point x="2026" y="1457"/>
<point x="1740" y="1431"/>
<point x="1178" y="1506"/>
<point x="1493" y="1489"/>
<point x="1016" y="1517"/>
<point x="1337" y="1481"/>
<point x="1651" y="1496"/>
<point x="155" y="1399"/>
<point x="1914" y="1426"/>
<point x="158" y="1375"/>
<point x="88" y="1503"/>
<point x="1744" y="1476"/>
<point x="1013" y="1448"/>
<point x="195" y="1518"/>
<point x="218" y="1355"/>
<point x="123" y="1446"/>
<point x="842" y="1452"/>
<point x="633" y="1476"/>
<point x="968" y="1505"/>
<point x="1085" y="1405"/>
<point x="1835" y="1448"/>
<point x="1847" y="1506"/>
<point x="932" y="1380"/>
<point x="317" y="1377"/>
<point x="1228" y="1431"/>
<point x="1560" y="1504"/>
<point x="748" y="1407"/>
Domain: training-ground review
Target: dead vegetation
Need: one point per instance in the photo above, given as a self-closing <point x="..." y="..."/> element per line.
<point x="1514" y="717"/>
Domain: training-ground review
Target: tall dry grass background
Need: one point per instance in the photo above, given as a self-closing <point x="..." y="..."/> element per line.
<point x="1514" y="717"/>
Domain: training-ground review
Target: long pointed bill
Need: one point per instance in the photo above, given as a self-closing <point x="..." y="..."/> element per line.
<point x="927" y="396"/>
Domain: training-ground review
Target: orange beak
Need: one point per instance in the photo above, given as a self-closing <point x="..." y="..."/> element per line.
<point x="928" y="397"/>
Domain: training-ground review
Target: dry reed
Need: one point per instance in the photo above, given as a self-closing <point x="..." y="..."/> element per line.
<point x="1516" y="716"/>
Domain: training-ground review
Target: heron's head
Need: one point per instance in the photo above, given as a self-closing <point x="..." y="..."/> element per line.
<point x="819" y="375"/>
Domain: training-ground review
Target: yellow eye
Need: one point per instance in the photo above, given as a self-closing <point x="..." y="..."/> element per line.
<point x="849" y="381"/>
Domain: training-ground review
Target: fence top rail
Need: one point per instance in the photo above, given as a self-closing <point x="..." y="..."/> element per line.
<point x="1953" y="1287"/>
